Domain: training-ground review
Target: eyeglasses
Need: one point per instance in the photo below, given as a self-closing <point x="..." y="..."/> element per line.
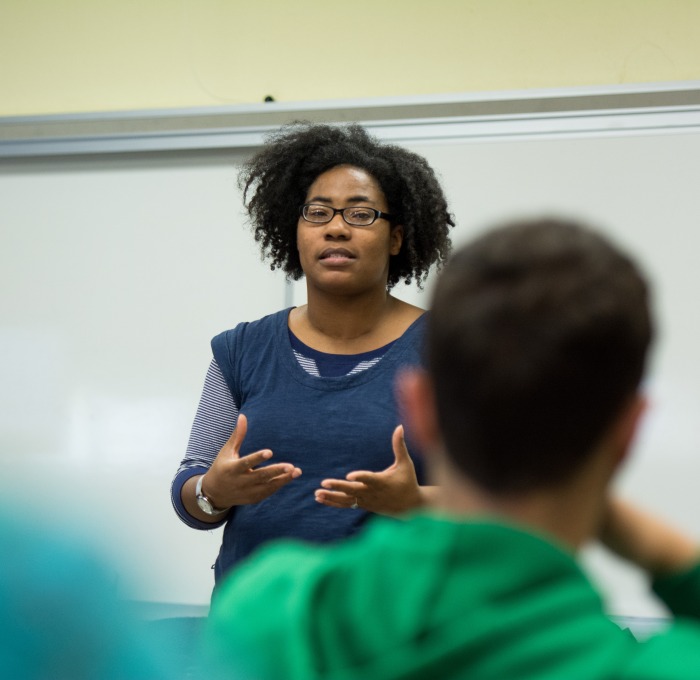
<point x="355" y="216"/>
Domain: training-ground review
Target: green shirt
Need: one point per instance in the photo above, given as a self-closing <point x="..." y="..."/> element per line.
<point x="435" y="598"/>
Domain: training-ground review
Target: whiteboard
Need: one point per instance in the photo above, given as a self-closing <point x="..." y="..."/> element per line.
<point x="116" y="271"/>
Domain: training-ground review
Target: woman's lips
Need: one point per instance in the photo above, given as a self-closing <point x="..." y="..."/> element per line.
<point x="336" y="255"/>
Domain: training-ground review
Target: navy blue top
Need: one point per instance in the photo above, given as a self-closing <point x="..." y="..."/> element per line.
<point x="327" y="426"/>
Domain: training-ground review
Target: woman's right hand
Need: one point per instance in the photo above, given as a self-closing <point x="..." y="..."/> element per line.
<point x="235" y="480"/>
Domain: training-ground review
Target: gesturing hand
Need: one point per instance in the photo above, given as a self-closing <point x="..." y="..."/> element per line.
<point x="389" y="492"/>
<point x="235" y="480"/>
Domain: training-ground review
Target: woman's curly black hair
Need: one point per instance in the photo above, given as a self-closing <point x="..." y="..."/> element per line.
<point x="276" y="180"/>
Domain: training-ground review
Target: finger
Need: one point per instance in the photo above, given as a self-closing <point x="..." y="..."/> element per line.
<point x="330" y="503"/>
<point x="337" y="496"/>
<point x="259" y="492"/>
<point x="334" y="500"/>
<point x="268" y="474"/>
<point x="364" y="477"/>
<point x="398" y="444"/>
<point x="351" y="488"/>
<point x="238" y="434"/>
<point x="252" y="460"/>
<point x="278" y="482"/>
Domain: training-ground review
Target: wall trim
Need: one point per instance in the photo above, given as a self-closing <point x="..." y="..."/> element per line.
<point x="621" y="109"/>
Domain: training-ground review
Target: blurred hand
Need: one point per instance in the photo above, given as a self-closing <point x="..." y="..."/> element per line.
<point x="646" y="540"/>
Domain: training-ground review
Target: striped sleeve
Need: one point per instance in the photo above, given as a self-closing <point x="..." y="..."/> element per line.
<point x="213" y="424"/>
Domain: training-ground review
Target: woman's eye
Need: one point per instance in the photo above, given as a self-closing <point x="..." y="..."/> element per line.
<point x="361" y="214"/>
<point x="318" y="212"/>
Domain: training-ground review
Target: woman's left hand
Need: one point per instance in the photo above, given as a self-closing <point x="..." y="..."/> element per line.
<point x="390" y="492"/>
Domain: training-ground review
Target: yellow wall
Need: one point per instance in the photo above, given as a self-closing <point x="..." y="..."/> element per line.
<point x="59" y="56"/>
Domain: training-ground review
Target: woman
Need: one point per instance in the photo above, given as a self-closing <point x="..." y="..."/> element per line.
<point x="297" y="431"/>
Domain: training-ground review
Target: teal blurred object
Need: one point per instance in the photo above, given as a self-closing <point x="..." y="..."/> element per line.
<point x="181" y="636"/>
<point x="61" y="616"/>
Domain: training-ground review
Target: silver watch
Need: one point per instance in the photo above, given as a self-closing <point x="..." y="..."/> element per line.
<point x="205" y="505"/>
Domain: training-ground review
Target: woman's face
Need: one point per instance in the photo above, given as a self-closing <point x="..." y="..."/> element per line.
<point x="338" y="257"/>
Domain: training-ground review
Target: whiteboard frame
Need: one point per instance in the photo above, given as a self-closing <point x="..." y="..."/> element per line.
<point x="616" y="109"/>
<point x="488" y="118"/>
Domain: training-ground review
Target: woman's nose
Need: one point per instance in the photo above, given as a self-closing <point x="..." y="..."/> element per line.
<point x="337" y="226"/>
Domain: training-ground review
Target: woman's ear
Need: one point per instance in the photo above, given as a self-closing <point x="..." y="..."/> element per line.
<point x="416" y="398"/>
<point x="396" y="239"/>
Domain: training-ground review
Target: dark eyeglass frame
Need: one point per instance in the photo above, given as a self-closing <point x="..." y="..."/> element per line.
<point x="378" y="214"/>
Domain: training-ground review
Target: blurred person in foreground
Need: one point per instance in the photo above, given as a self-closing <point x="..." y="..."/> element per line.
<point x="537" y="343"/>
<point x="61" y="615"/>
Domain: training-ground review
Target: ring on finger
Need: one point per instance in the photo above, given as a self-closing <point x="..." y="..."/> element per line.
<point x="355" y="506"/>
